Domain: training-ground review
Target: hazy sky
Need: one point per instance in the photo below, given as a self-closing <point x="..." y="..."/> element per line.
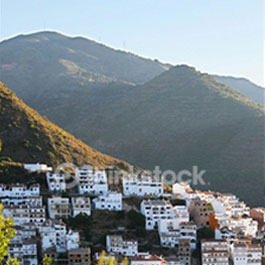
<point x="216" y="36"/>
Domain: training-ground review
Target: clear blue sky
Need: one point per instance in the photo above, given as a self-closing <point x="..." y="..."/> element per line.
<point x="216" y="36"/>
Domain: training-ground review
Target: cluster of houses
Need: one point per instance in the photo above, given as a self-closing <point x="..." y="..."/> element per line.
<point x="40" y="230"/>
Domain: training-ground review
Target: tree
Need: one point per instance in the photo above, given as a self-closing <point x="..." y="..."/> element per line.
<point x="125" y="261"/>
<point x="205" y="233"/>
<point x="110" y="260"/>
<point x="136" y="220"/>
<point x="46" y="260"/>
<point x="7" y="232"/>
<point x="12" y="261"/>
<point x="0" y="145"/>
<point x="102" y="258"/>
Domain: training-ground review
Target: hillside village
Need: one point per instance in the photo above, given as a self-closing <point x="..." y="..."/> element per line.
<point x="139" y="218"/>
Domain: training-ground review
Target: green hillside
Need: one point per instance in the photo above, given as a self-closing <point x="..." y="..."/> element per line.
<point x="179" y="119"/>
<point x="176" y="119"/>
<point x="28" y="137"/>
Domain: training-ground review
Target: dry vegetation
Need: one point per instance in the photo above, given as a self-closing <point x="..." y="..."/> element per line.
<point x="28" y="137"/>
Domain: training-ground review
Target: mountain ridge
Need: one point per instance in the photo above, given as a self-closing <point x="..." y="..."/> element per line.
<point x="27" y="137"/>
<point x="244" y="86"/>
<point x="176" y="119"/>
<point x="182" y="121"/>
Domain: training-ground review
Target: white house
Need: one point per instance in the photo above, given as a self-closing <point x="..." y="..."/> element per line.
<point x="171" y="231"/>
<point x="181" y="213"/>
<point x="30" y="252"/>
<point x="25" y="251"/>
<point x="56" y="182"/>
<point x="24" y="246"/>
<point x="244" y="254"/>
<point x="115" y="244"/>
<point x="19" y="190"/>
<point x="111" y="201"/>
<point x="37" y="167"/>
<point x="92" y="182"/>
<point x="229" y="204"/>
<point x="188" y="230"/>
<point x="32" y="201"/>
<point x="154" y="211"/>
<point x="81" y="205"/>
<point x="37" y="215"/>
<point x="25" y="232"/>
<point x="181" y="189"/>
<point x="25" y="214"/>
<point x="19" y="214"/>
<point x="59" y="207"/>
<point x="54" y="234"/>
<point x="142" y="186"/>
<point x="214" y="252"/>
<point x="72" y="240"/>
<point x="232" y="227"/>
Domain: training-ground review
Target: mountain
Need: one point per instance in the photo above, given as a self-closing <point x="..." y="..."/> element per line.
<point x="28" y="137"/>
<point x="50" y="61"/>
<point x="244" y="86"/>
<point x="176" y="118"/>
<point x="180" y="119"/>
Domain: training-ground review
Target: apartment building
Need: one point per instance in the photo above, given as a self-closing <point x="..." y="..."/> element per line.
<point x="154" y="211"/>
<point x="59" y="207"/>
<point x="54" y="235"/>
<point x="237" y="227"/>
<point x="244" y="254"/>
<point x="171" y="231"/>
<point x="56" y="182"/>
<point x="111" y="202"/>
<point x="92" y="182"/>
<point x="258" y="214"/>
<point x="142" y="186"/>
<point x="117" y="245"/>
<point x="25" y="251"/>
<point x="79" y="256"/>
<point x="200" y="210"/>
<point x="32" y="201"/>
<point x="214" y="252"/>
<point x="25" y="214"/>
<point x="81" y="205"/>
<point x="184" y="251"/>
<point x="19" y="190"/>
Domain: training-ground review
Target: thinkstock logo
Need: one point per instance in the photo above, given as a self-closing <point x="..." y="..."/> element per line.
<point x="70" y="172"/>
<point x="73" y="175"/>
<point x="194" y="176"/>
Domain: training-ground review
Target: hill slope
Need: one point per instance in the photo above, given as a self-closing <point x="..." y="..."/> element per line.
<point x="28" y="137"/>
<point x="49" y="61"/>
<point x="177" y="120"/>
<point x="245" y="87"/>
